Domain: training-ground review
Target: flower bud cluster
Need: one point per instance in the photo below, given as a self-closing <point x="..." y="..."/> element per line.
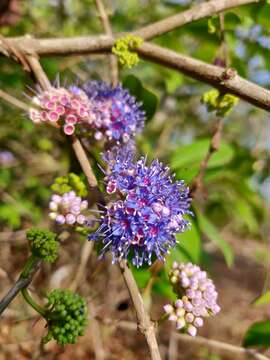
<point x="122" y="49"/>
<point x="68" y="209"/>
<point x="61" y="107"/>
<point x="66" y="317"/>
<point x="198" y="297"/>
<point x="71" y="181"/>
<point x="43" y="244"/>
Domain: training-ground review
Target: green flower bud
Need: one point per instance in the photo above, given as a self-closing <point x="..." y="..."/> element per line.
<point x="69" y="182"/>
<point x="215" y="101"/>
<point x="66" y="316"/>
<point x="43" y="244"/>
<point x="122" y="48"/>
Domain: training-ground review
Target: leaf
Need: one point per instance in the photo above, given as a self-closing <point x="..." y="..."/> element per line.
<point x="141" y="275"/>
<point x="163" y="287"/>
<point x="232" y="20"/>
<point x="246" y="213"/>
<point x="189" y="245"/>
<point x="263" y="299"/>
<point x="148" y="98"/>
<point x="173" y="81"/>
<point x="194" y="153"/>
<point x="212" y="234"/>
<point x="258" y="334"/>
<point x="263" y="17"/>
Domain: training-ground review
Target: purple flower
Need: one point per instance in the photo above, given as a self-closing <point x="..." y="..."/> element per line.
<point x="151" y="211"/>
<point x="7" y="158"/>
<point x="116" y="114"/>
<point x="198" y="297"/>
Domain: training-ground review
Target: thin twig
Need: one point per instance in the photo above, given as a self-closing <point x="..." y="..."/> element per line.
<point x="108" y="30"/>
<point x="198" y="340"/>
<point x="145" y="325"/>
<point x="85" y="254"/>
<point x="206" y="9"/>
<point x="21" y="283"/>
<point x="172" y="350"/>
<point x="83" y="160"/>
<point x="96" y="333"/>
<point x="13" y="101"/>
<point x="220" y="346"/>
<point x="38" y="71"/>
<point x="213" y="147"/>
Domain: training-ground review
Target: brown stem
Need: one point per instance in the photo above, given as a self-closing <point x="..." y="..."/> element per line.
<point x="224" y="80"/>
<point x="220" y="346"/>
<point x="145" y="325"/>
<point x="37" y="70"/>
<point x="104" y="43"/>
<point x="213" y="147"/>
<point x="197" y="12"/>
<point x="108" y="30"/>
<point x="13" y="101"/>
<point x="20" y="284"/>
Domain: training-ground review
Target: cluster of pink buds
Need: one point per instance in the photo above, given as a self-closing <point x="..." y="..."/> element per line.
<point x="198" y="297"/>
<point x="61" y="107"/>
<point x="68" y="209"/>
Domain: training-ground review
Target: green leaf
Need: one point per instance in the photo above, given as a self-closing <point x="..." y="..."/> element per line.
<point x="263" y="299"/>
<point x="232" y="20"/>
<point x="141" y="275"/>
<point x="163" y="287"/>
<point x="148" y="98"/>
<point x="193" y="154"/>
<point x="258" y="334"/>
<point x="173" y="81"/>
<point x="189" y="245"/>
<point x="211" y="232"/>
<point x="263" y="17"/>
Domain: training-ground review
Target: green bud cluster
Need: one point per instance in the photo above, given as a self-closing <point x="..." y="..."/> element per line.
<point x="64" y="184"/>
<point x="122" y="48"/>
<point x="215" y="101"/>
<point x="43" y="244"/>
<point x="66" y="317"/>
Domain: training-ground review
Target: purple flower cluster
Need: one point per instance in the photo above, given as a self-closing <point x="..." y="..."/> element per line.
<point x="109" y="113"/>
<point x="116" y="114"/>
<point x="151" y="210"/>
<point x="62" y="108"/>
<point x="68" y="209"/>
<point x="198" y="297"/>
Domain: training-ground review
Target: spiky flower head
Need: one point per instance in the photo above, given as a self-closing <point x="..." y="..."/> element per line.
<point x="151" y="210"/>
<point x="68" y="209"/>
<point x="62" y="108"/>
<point x="66" y="316"/>
<point x="197" y="297"/>
<point x="116" y="115"/>
<point x="43" y="244"/>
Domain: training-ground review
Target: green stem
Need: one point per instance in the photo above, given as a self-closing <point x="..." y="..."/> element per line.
<point x="31" y="261"/>
<point x="162" y="319"/>
<point x="28" y="298"/>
